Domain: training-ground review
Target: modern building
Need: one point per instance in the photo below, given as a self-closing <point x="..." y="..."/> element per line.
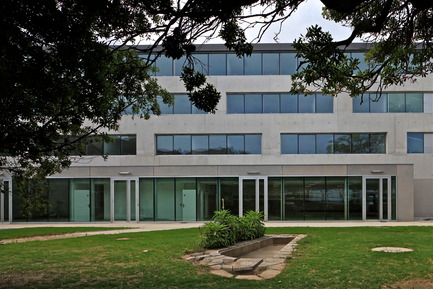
<point x="294" y="157"/>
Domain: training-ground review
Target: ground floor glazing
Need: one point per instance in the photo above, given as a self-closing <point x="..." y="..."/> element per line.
<point x="312" y="198"/>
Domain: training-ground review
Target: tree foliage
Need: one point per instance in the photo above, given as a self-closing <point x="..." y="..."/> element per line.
<point x="71" y="67"/>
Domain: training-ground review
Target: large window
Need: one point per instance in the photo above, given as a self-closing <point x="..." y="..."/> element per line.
<point x="355" y="143"/>
<point x="389" y="102"/>
<point x="279" y="103"/>
<point x="181" y="105"/>
<point x="114" y="145"/>
<point x="420" y="143"/>
<point x="208" y="144"/>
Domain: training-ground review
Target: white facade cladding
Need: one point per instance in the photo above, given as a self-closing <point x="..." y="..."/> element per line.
<point x="325" y="159"/>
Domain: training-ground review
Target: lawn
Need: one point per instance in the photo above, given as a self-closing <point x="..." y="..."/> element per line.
<point x="327" y="258"/>
<point x="44" y="231"/>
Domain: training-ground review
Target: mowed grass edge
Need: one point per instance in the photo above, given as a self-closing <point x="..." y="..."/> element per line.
<point x="327" y="258"/>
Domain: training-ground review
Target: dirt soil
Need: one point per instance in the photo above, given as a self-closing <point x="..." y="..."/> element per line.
<point x="411" y="284"/>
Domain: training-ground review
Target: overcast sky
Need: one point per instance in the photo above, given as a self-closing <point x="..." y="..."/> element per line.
<point x="308" y="14"/>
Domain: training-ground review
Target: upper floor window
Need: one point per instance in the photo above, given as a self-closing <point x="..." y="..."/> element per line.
<point x="181" y="105"/>
<point x="355" y="143"/>
<point x="389" y="102"/>
<point x="279" y="103"/>
<point x="420" y="143"/>
<point x="208" y="144"/>
<point x="115" y="145"/>
<point x="222" y="63"/>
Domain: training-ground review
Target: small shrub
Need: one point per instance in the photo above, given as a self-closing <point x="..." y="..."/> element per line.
<point x="214" y="235"/>
<point x="227" y="229"/>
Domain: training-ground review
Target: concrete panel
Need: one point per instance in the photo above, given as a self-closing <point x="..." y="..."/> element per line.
<point x="121" y="171"/>
<point x="315" y="170"/>
<point x="174" y="171"/>
<point x="250" y="170"/>
<point x="370" y="169"/>
<point x="423" y="198"/>
<point x="405" y="193"/>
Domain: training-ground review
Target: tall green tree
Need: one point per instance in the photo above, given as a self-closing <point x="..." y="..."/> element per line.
<point x="70" y="67"/>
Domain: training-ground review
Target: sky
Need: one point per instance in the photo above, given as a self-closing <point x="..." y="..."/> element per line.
<point x="308" y="14"/>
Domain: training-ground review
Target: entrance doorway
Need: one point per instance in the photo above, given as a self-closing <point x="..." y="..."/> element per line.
<point x="5" y="200"/>
<point x="124" y="199"/>
<point x="376" y="193"/>
<point x="253" y="195"/>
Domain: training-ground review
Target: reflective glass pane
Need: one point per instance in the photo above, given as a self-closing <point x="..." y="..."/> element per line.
<point x="274" y="199"/>
<point x="235" y="103"/>
<point x="165" y="66"/>
<point x="385" y="214"/>
<point x="372" y="199"/>
<point x="414" y="102"/>
<point x="271" y="63"/>
<point x="253" y="103"/>
<point x="307" y="144"/>
<point x="335" y="196"/>
<point x="253" y="64"/>
<point x="397" y="102"/>
<point x="200" y="144"/>
<point x="324" y="144"/>
<point x="378" y="103"/>
<point x="164" y="144"/>
<point x="293" y="196"/>
<point x="393" y="198"/>
<point x="307" y="103"/>
<point x="235" y="65"/>
<point x="201" y="63"/>
<point x="128" y="145"/>
<point x="289" y="103"/>
<point x="58" y="200"/>
<point x="132" y="201"/>
<point x="271" y="103"/>
<point x="354" y="199"/>
<point x="79" y="200"/>
<point x="217" y="64"/>
<point x="146" y="199"/>
<point x="360" y="143"/>
<point x="315" y="199"/>
<point x="165" y="108"/>
<point x="182" y="144"/>
<point x="415" y="143"/>
<point x="182" y="105"/>
<point x="94" y="147"/>
<point x="207" y="198"/>
<point x="249" y="195"/>
<point x="324" y="103"/>
<point x="120" y="200"/>
<point x="378" y="143"/>
<point x="288" y="63"/>
<point x="100" y="200"/>
<point x="195" y="110"/>
<point x="178" y="65"/>
<point x="360" y="56"/>
<point x="217" y="144"/>
<point x="361" y="104"/>
<point x="235" y="144"/>
<point x="229" y="190"/>
<point x="164" y="200"/>
<point x="342" y="143"/>
<point x="289" y="144"/>
<point x="253" y="144"/>
<point x="112" y="146"/>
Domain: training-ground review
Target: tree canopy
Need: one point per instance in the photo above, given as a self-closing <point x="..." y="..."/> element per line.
<point x="71" y="68"/>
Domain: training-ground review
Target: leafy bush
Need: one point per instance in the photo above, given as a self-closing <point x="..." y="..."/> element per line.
<point x="214" y="235"/>
<point x="227" y="229"/>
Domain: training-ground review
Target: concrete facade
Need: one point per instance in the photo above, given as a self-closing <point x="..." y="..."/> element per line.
<point x="413" y="172"/>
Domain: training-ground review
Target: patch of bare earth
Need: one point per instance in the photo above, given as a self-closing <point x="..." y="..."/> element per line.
<point x="9" y="280"/>
<point x="411" y="284"/>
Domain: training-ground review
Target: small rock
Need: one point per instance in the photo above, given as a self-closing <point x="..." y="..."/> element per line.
<point x="145" y="251"/>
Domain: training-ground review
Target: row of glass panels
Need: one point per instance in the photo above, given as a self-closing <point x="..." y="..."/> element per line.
<point x="389" y="102"/>
<point x="267" y="63"/>
<point x="190" y="199"/>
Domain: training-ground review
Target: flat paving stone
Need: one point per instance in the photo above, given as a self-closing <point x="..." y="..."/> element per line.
<point x="249" y="277"/>
<point x="267" y="274"/>
<point x="222" y="273"/>
<point x="246" y="264"/>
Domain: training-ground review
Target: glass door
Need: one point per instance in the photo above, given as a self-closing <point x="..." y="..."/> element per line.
<point x="376" y="195"/>
<point x="124" y="199"/>
<point x="5" y="200"/>
<point x="253" y="195"/>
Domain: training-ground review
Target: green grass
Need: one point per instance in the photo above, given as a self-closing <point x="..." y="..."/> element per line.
<point x="42" y="231"/>
<point x="327" y="258"/>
